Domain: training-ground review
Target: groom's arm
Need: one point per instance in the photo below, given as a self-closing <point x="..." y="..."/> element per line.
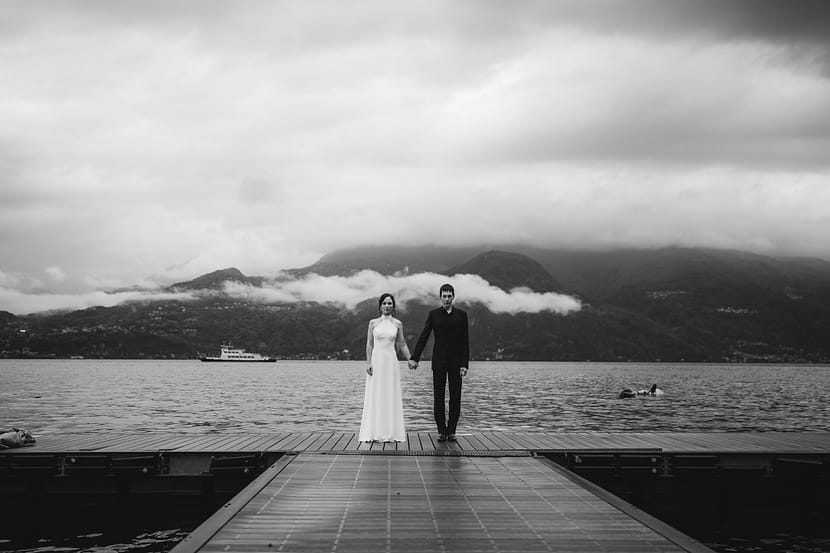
<point x="422" y="339"/>
<point x="465" y="337"/>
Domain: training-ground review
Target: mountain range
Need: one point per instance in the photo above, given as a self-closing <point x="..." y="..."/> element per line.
<point x="670" y="304"/>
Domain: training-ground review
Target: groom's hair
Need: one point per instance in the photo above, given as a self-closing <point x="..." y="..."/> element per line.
<point x="446" y="288"/>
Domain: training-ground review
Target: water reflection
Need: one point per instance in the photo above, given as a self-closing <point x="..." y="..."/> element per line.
<point x="156" y="541"/>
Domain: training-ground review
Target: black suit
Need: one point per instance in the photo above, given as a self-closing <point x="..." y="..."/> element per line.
<point x="450" y="352"/>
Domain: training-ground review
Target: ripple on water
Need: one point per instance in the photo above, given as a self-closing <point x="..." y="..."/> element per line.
<point x="53" y="396"/>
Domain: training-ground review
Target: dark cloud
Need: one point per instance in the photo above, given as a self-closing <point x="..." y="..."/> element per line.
<point x="800" y="26"/>
<point x="774" y="20"/>
<point x="791" y="21"/>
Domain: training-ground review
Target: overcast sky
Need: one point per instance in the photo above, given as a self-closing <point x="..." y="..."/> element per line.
<point x="151" y="142"/>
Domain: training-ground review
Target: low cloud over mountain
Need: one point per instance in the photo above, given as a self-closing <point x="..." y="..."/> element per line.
<point x="348" y="291"/>
<point x="501" y="281"/>
<point x="27" y="303"/>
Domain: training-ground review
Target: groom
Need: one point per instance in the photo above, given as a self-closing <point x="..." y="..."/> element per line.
<point x="450" y="358"/>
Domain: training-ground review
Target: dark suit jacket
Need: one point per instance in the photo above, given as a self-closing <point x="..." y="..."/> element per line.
<point x="452" y="339"/>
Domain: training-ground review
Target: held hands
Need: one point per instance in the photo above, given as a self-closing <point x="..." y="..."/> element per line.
<point x="413" y="365"/>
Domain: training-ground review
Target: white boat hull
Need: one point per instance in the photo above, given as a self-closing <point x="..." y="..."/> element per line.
<point x="220" y="360"/>
<point x="230" y="354"/>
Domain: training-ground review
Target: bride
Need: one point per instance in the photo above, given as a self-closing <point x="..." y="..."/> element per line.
<point x="382" y="405"/>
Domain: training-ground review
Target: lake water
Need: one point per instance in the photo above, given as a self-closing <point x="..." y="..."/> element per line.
<point x="53" y="396"/>
<point x="49" y="397"/>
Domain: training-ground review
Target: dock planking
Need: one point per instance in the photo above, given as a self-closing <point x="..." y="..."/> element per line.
<point x="426" y="442"/>
<point x="428" y="503"/>
<point x="488" y="491"/>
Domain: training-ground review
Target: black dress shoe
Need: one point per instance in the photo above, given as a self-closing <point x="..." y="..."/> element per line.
<point x="451" y="437"/>
<point x="442" y="437"/>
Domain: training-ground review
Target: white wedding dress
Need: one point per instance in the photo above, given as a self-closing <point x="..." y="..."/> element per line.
<point x="382" y="405"/>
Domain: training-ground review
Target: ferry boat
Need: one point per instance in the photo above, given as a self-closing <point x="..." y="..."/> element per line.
<point x="230" y="354"/>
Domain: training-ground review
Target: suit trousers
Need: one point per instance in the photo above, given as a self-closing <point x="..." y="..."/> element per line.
<point x="440" y="378"/>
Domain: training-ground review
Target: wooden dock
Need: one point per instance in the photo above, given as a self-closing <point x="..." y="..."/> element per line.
<point x="366" y="503"/>
<point x="491" y="491"/>
<point x="425" y="443"/>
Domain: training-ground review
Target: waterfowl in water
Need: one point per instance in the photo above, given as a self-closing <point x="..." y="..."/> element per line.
<point x="653" y="391"/>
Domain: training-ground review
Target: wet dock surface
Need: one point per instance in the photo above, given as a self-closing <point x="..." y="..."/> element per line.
<point x="426" y="442"/>
<point x="320" y="502"/>
<point x="489" y="491"/>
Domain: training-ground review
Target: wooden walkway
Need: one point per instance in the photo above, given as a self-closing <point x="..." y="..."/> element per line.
<point x="424" y="443"/>
<point x="490" y="491"/>
<point x="367" y="503"/>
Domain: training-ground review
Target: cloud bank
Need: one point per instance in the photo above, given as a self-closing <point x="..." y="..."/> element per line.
<point x="346" y="292"/>
<point x="21" y="303"/>
<point x="351" y="290"/>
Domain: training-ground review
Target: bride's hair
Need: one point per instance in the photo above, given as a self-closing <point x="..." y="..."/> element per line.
<point x="383" y="297"/>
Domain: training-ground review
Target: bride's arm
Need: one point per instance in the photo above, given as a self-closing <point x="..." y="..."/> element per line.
<point x="370" y="345"/>
<point x="401" y="342"/>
